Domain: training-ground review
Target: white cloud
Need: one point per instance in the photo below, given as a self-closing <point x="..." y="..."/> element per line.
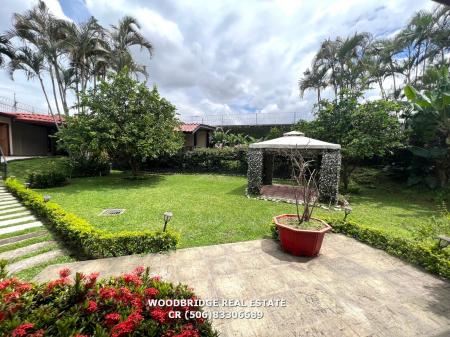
<point x="234" y="56"/>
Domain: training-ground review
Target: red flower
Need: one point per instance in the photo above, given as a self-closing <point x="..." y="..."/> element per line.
<point x="56" y="283"/>
<point x="127" y="326"/>
<point x="21" y="330"/>
<point x="112" y="318"/>
<point x="92" y="306"/>
<point x="65" y="272"/>
<point x="151" y="292"/>
<point x="132" y="278"/>
<point x="124" y="295"/>
<point x="107" y="293"/>
<point x="9" y="297"/>
<point x="2" y="316"/>
<point x="158" y="315"/>
<point x="122" y="329"/>
<point x="5" y="284"/>
<point x="188" y="330"/>
<point x="156" y="278"/>
<point x="135" y="317"/>
<point x="139" y="270"/>
<point x="92" y="277"/>
<point x="24" y="287"/>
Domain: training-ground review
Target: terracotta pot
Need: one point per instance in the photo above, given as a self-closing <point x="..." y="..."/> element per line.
<point x="300" y="242"/>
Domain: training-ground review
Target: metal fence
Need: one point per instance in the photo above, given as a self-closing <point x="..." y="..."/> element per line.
<point x="279" y="118"/>
<point x="8" y="104"/>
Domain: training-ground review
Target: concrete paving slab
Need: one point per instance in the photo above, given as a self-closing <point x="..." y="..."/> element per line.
<point x="8" y="222"/>
<point x="15" y="253"/>
<point x="12" y="209"/>
<point x="22" y="237"/>
<point x="14" y="215"/>
<point x="17" y="228"/>
<point x="350" y="289"/>
<point x="33" y="261"/>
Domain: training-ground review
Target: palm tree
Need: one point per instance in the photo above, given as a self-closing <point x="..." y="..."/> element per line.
<point x="5" y="49"/>
<point x="33" y="64"/>
<point x="123" y="36"/>
<point x="313" y="79"/>
<point x="84" y="43"/>
<point x="38" y="28"/>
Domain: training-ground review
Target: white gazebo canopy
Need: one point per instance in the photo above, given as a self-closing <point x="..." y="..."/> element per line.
<point x="295" y="140"/>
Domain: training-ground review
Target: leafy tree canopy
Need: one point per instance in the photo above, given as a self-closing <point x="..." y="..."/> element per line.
<point x="364" y="130"/>
<point x="125" y="120"/>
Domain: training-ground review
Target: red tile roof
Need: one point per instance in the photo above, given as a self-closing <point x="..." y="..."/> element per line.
<point x="31" y="118"/>
<point x="193" y="127"/>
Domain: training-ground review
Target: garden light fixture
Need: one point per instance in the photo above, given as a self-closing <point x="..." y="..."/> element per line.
<point x="167" y="216"/>
<point x="27" y="185"/>
<point x="47" y="198"/>
<point x="347" y="211"/>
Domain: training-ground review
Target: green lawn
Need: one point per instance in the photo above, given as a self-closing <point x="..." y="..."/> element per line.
<point x="22" y="168"/>
<point x="211" y="209"/>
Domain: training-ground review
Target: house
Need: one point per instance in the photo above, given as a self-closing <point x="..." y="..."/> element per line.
<point x="26" y="134"/>
<point x="196" y="135"/>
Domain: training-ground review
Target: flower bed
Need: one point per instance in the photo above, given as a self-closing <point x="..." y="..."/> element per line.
<point x="86" y="239"/>
<point x="83" y="306"/>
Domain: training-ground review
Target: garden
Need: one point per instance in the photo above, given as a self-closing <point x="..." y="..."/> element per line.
<point x="125" y="186"/>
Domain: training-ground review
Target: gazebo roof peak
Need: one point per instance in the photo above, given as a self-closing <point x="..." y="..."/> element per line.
<point x="295" y="140"/>
<point x="293" y="133"/>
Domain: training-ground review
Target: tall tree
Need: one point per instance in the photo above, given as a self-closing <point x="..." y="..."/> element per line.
<point x="5" y="49"/>
<point x="33" y="64"/>
<point x="124" y="36"/>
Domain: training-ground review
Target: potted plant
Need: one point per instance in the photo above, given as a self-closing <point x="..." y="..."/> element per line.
<point x="301" y="234"/>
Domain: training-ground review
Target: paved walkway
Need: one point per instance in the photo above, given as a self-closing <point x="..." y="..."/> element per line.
<point x="24" y="242"/>
<point x="351" y="289"/>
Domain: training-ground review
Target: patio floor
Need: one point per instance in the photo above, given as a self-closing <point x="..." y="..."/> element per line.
<point x="282" y="192"/>
<point x="351" y="289"/>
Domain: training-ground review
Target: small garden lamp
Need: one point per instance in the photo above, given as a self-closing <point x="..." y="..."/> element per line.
<point x="347" y="211"/>
<point x="167" y="217"/>
<point x="27" y="185"/>
<point x="47" y="198"/>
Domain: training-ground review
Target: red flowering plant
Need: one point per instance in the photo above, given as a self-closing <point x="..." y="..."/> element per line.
<point x="84" y="306"/>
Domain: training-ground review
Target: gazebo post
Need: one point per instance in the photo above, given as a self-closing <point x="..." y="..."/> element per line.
<point x="255" y="171"/>
<point x="267" y="168"/>
<point x="329" y="176"/>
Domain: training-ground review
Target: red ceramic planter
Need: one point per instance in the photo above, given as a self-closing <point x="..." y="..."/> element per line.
<point x="300" y="242"/>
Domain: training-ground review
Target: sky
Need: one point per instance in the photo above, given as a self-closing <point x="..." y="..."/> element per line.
<point x="232" y="57"/>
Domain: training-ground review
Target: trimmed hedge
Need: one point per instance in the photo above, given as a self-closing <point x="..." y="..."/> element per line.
<point x="88" y="240"/>
<point x="47" y="179"/>
<point x="430" y="257"/>
<point x="227" y="159"/>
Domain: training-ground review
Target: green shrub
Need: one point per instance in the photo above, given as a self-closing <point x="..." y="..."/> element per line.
<point x="226" y="159"/>
<point x="90" y="166"/>
<point x="82" y="306"/>
<point x="46" y="179"/>
<point x="425" y="254"/>
<point x="86" y="239"/>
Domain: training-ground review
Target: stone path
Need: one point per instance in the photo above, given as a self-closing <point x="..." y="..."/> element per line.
<point x="23" y="250"/>
<point x="351" y="289"/>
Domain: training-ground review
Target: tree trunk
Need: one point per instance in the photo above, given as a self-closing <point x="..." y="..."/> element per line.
<point x="347" y="171"/>
<point x="48" y="101"/>
<point x="54" y="91"/>
<point x="60" y="87"/>
<point x="134" y="167"/>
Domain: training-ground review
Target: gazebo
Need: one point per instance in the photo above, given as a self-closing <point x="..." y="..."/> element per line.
<point x="261" y="159"/>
